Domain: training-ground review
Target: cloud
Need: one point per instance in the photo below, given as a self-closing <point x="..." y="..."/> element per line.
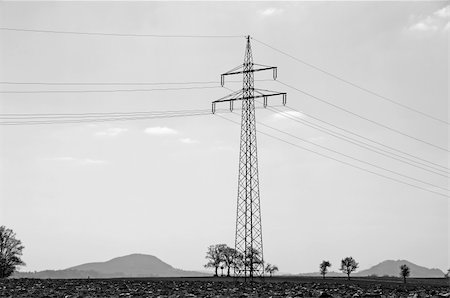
<point x="188" y="141"/>
<point x="438" y="20"/>
<point x="288" y="114"/>
<point x="270" y="11"/>
<point x="423" y="26"/>
<point x="160" y="130"/>
<point x="443" y="12"/>
<point x="88" y="161"/>
<point x="78" y="161"/>
<point x="111" y="132"/>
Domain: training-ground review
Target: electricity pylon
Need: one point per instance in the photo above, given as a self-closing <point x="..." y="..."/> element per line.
<point x="248" y="237"/>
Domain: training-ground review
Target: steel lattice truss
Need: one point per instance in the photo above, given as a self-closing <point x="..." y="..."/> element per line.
<point x="248" y="237"/>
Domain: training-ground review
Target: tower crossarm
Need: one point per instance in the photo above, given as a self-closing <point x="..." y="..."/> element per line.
<point x="248" y="70"/>
<point x="236" y="96"/>
<point x="253" y="70"/>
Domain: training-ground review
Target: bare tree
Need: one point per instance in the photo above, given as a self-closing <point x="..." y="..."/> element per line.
<point x="231" y="258"/>
<point x="238" y="262"/>
<point x="268" y="268"/>
<point x="324" y="268"/>
<point x="348" y="265"/>
<point x="253" y="258"/>
<point x="274" y="269"/>
<point x="214" y="255"/>
<point x="10" y="252"/>
<point x="404" y="272"/>
<point x="271" y="269"/>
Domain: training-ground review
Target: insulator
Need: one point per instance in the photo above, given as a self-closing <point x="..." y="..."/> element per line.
<point x="222" y="80"/>
<point x="275" y="73"/>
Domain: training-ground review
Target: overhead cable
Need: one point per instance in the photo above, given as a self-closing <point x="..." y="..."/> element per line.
<point x="104" y="91"/>
<point x="361" y="144"/>
<point x="106" y="119"/>
<point x="341" y="161"/>
<point x="368" y="139"/>
<point x="118" y="34"/>
<point x="340" y="78"/>
<point x="365" y="118"/>
<point x="351" y="157"/>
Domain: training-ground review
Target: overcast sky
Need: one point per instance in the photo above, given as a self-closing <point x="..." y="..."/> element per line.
<point x="77" y="193"/>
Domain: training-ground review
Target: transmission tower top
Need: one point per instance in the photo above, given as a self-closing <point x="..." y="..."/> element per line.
<point x="248" y="68"/>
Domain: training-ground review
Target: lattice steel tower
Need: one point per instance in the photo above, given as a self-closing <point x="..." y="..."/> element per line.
<point x="248" y="238"/>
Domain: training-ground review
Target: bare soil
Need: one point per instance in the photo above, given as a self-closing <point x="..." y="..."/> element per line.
<point x="224" y="287"/>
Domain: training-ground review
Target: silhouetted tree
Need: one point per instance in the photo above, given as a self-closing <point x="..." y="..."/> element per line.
<point x="10" y="252"/>
<point x="253" y="258"/>
<point x="238" y="262"/>
<point x="348" y="265"/>
<point x="271" y="269"/>
<point x="404" y="272"/>
<point x="324" y="268"/>
<point x="214" y="255"/>
<point x="231" y="258"/>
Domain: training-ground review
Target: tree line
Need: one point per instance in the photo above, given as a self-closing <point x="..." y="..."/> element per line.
<point x="348" y="265"/>
<point x="224" y="257"/>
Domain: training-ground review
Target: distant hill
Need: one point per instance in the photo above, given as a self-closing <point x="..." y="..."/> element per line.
<point x="134" y="265"/>
<point x="392" y="268"/>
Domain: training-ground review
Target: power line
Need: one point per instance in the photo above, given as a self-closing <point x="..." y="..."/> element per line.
<point x="328" y="131"/>
<point x="105" y="91"/>
<point x="92" y="114"/>
<point x="106" y="83"/>
<point x="358" y="142"/>
<point x="118" y="34"/>
<point x="369" y="139"/>
<point x="24" y="116"/>
<point x="117" y="83"/>
<point x="351" y="157"/>
<point x="340" y="78"/>
<point x="70" y="121"/>
<point x="58" y="118"/>
<point x="341" y="161"/>
<point x="364" y="118"/>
